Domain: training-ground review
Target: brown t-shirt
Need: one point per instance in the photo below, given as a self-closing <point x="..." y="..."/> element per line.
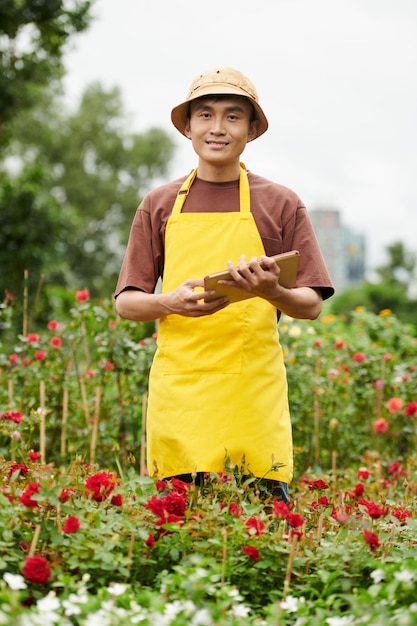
<point x="279" y="214"/>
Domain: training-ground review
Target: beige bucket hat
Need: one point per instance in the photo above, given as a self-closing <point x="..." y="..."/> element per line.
<point x="219" y="81"/>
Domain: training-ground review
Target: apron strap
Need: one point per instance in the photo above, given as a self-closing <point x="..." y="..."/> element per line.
<point x="244" y="193"/>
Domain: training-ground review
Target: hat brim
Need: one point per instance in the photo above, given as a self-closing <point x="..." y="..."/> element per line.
<point x="180" y="113"/>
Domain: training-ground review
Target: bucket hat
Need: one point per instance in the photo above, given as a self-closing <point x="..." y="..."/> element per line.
<point x="219" y="81"/>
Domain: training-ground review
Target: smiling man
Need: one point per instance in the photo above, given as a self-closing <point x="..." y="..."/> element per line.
<point x="217" y="387"/>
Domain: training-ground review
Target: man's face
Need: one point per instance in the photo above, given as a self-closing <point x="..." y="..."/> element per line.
<point x="220" y="128"/>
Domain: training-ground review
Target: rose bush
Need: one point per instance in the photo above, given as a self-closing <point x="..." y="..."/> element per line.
<point x="87" y="538"/>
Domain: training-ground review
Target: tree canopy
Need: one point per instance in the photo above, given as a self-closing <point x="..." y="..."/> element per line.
<point x="33" y="36"/>
<point x="394" y="288"/>
<point x="66" y="214"/>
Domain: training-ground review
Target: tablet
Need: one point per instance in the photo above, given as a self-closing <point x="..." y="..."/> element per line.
<point x="287" y="261"/>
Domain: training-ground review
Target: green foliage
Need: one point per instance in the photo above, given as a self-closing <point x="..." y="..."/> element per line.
<point x="93" y="366"/>
<point x="341" y="376"/>
<point x="394" y="291"/>
<point x="34" y="35"/>
<point x="78" y="216"/>
<point x="34" y="232"/>
<point x="227" y="557"/>
<point x="121" y="548"/>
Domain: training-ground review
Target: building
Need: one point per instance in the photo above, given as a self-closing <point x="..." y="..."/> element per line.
<point x="343" y="250"/>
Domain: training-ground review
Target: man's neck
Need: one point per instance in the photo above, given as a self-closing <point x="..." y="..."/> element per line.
<point x="218" y="173"/>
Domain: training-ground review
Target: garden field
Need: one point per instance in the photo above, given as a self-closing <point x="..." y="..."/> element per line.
<point x="88" y="539"/>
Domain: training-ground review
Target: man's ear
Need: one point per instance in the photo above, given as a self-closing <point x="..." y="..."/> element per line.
<point x="253" y="130"/>
<point x="187" y="129"/>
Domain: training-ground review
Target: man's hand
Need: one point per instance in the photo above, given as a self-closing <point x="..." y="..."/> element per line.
<point x="259" y="277"/>
<point x="184" y="300"/>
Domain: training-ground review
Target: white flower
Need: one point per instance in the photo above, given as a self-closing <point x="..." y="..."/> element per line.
<point x="117" y="589"/>
<point x="200" y="572"/>
<point x="98" y="619"/>
<point x="202" y="617"/>
<point x="295" y="331"/>
<point x="404" y="576"/>
<point x="15" y="581"/>
<point x="48" y="603"/>
<point x="240" y="610"/>
<point x="290" y="604"/>
<point x="346" y="620"/>
<point x="70" y="607"/>
<point x="177" y="606"/>
<point x="378" y="575"/>
<point x="234" y="593"/>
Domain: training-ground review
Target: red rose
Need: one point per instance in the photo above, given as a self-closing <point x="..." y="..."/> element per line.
<point x="359" y="357"/>
<point x="400" y="514"/>
<point x="395" y="467"/>
<point x="101" y="485"/>
<point x="56" y="342"/>
<point x="33" y="338"/>
<point x="26" y="497"/>
<point x="18" y="467"/>
<point x="36" y="569"/>
<point x="359" y="490"/>
<point x="12" y="416"/>
<point x="281" y="510"/>
<point x="318" y="484"/>
<point x="180" y="486"/>
<point x="253" y="523"/>
<point x="82" y="295"/>
<point x="40" y="355"/>
<point x="234" y="509"/>
<point x="117" y="500"/>
<point x="372" y="509"/>
<point x="294" y="520"/>
<point x="371" y="539"/>
<point x="394" y="405"/>
<point x="71" y="525"/>
<point x="65" y="494"/>
<point x="34" y="456"/>
<point x="252" y="552"/>
<point x="380" y="425"/>
<point x="411" y="409"/>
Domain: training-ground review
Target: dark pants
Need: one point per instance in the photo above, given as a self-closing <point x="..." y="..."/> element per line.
<point x="275" y="488"/>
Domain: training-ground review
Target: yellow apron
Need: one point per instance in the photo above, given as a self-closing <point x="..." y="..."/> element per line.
<point x="217" y="387"/>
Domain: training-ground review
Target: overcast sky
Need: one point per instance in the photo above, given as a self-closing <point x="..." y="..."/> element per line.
<point x="337" y="80"/>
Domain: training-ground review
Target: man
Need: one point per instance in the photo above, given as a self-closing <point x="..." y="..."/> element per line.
<point x="217" y="387"/>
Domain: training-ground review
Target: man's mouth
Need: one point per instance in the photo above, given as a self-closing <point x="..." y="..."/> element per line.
<point x="217" y="144"/>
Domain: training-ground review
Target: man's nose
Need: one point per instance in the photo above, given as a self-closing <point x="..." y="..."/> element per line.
<point x="217" y="127"/>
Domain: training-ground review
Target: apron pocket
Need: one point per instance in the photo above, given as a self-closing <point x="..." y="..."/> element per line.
<point x="204" y="344"/>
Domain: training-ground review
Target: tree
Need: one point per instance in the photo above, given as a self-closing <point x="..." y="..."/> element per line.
<point x="33" y="36"/>
<point x="76" y="218"/>
<point x="400" y="267"/>
<point x="393" y="290"/>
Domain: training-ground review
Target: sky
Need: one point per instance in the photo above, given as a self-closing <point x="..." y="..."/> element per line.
<point x="337" y="80"/>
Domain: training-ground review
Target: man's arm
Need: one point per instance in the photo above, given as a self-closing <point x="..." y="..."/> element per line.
<point x="145" y="307"/>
